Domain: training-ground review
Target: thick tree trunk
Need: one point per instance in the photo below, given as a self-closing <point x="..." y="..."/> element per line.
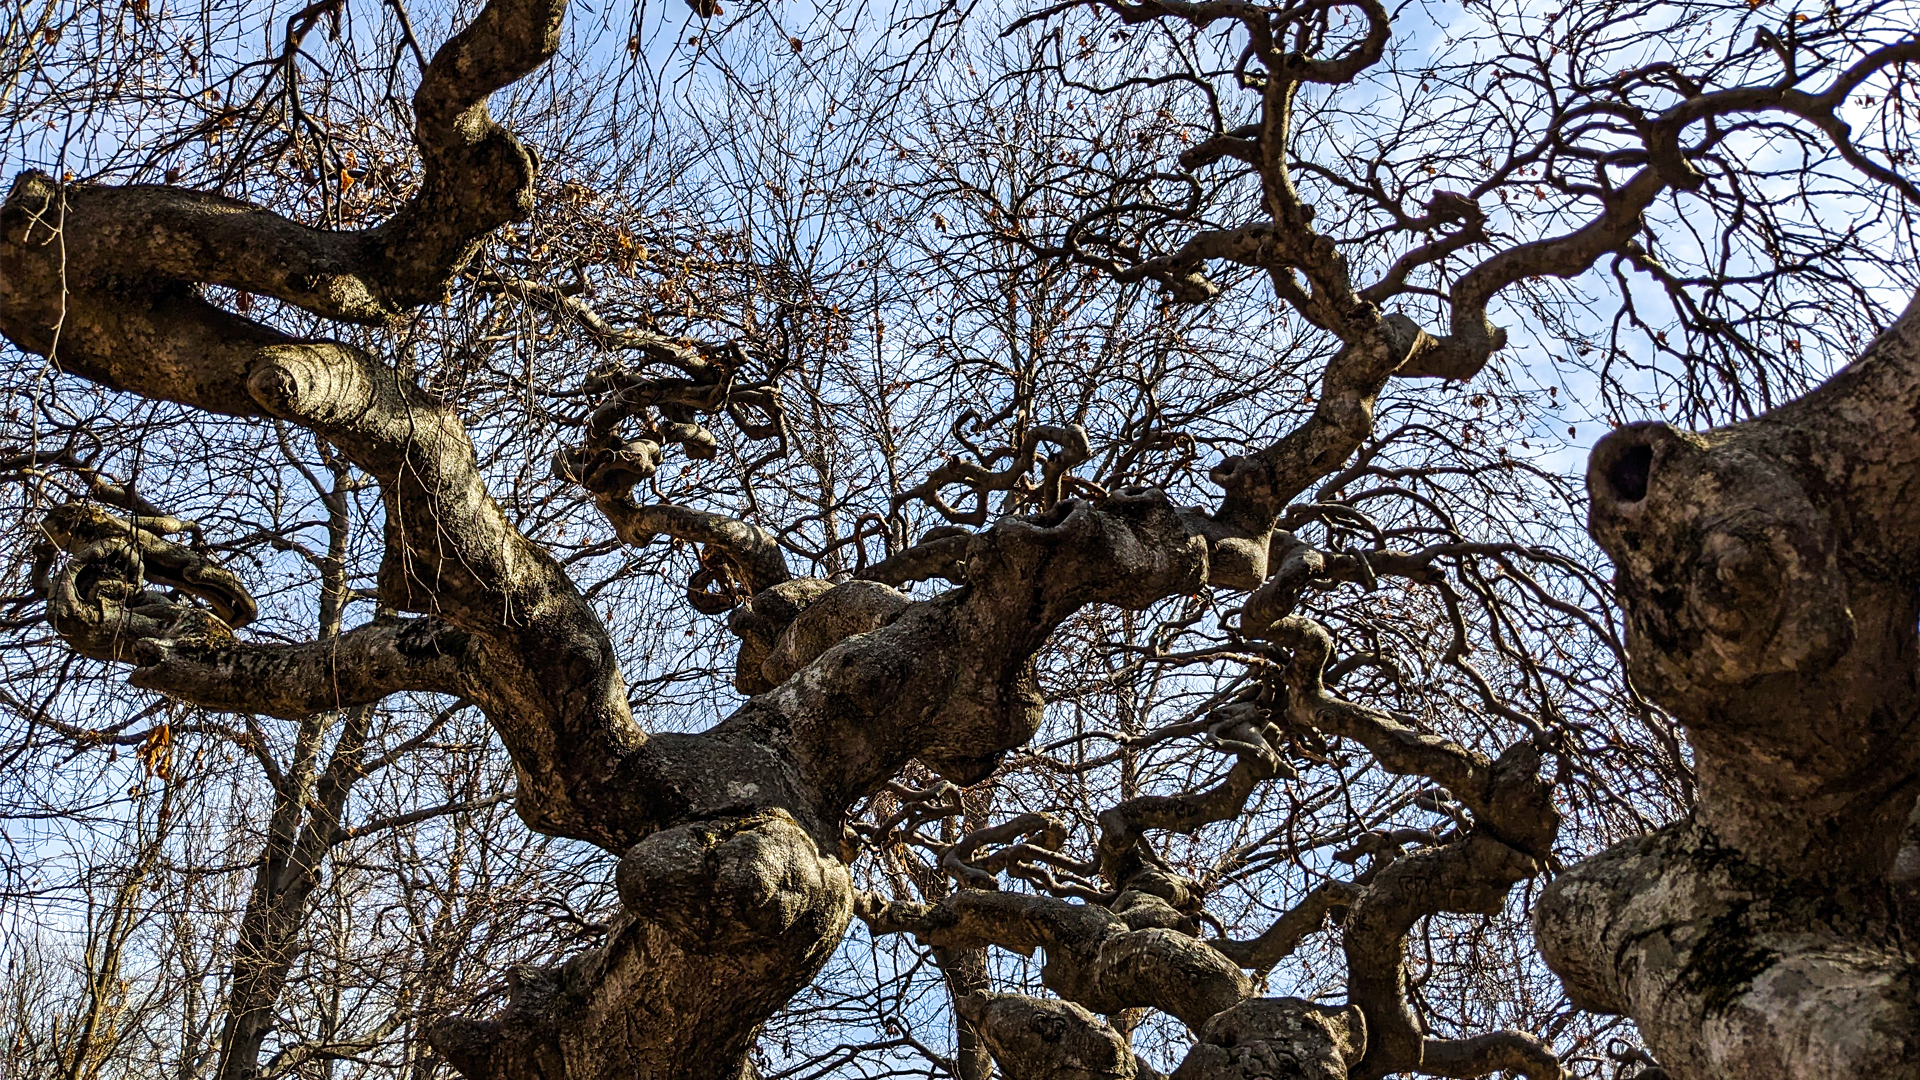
<point x="724" y="922"/>
<point x="732" y="889"/>
<point x="1768" y="573"/>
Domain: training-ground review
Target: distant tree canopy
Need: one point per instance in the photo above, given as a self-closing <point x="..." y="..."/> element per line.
<point x="1039" y="542"/>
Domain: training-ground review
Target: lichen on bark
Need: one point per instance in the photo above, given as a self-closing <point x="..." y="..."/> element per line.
<point x="1764" y="569"/>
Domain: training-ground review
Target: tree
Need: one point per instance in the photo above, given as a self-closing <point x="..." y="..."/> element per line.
<point x="1220" y="149"/>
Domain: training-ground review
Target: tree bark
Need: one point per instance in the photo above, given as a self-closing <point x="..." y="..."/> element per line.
<point x="1141" y="949"/>
<point x="1766" y="569"/>
<point x="965" y="972"/>
<point x="1768" y="574"/>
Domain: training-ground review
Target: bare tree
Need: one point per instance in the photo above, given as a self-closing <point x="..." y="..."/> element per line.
<point x="1435" y="738"/>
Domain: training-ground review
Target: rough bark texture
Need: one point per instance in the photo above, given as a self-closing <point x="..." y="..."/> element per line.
<point x="1767" y="571"/>
<point x="730" y="875"/>
<point x="1280" y="1038"/>
<point x="946" y="681"/>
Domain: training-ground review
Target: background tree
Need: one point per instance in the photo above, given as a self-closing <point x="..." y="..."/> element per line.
<point x="921" y="402"/>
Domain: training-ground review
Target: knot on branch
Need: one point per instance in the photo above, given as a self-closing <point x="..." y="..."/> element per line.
<point x="825" y="618"/>
<point x="741" y="910"/>
<point x="1241" y="143"/>
<point x="787" y="626"/>
<point x="1190" y="286"/>
<point x="1164" y="969"/>
<point x="719" y="884"/>
<point x="1312" y="647"/>
<point x="1728" y="567"/>
<point x="614" y="466"/>
<point x="661" y="412"/>
<point x="1246" y="730"/>
<point x="940" y="553"/>
<point x="103" y="601"/>
<point x="1450" y="206"/>
<point x="759" y="624"/>
<point x="1277" y="1039"/>
<point x="1153" y="896"/>
<point x="310" y="384"/>
<point x="1130" y="549"/>
<point x="624" y="444"/>
<point x="637" y="417"/>
<point x="1038" y="1039"/>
